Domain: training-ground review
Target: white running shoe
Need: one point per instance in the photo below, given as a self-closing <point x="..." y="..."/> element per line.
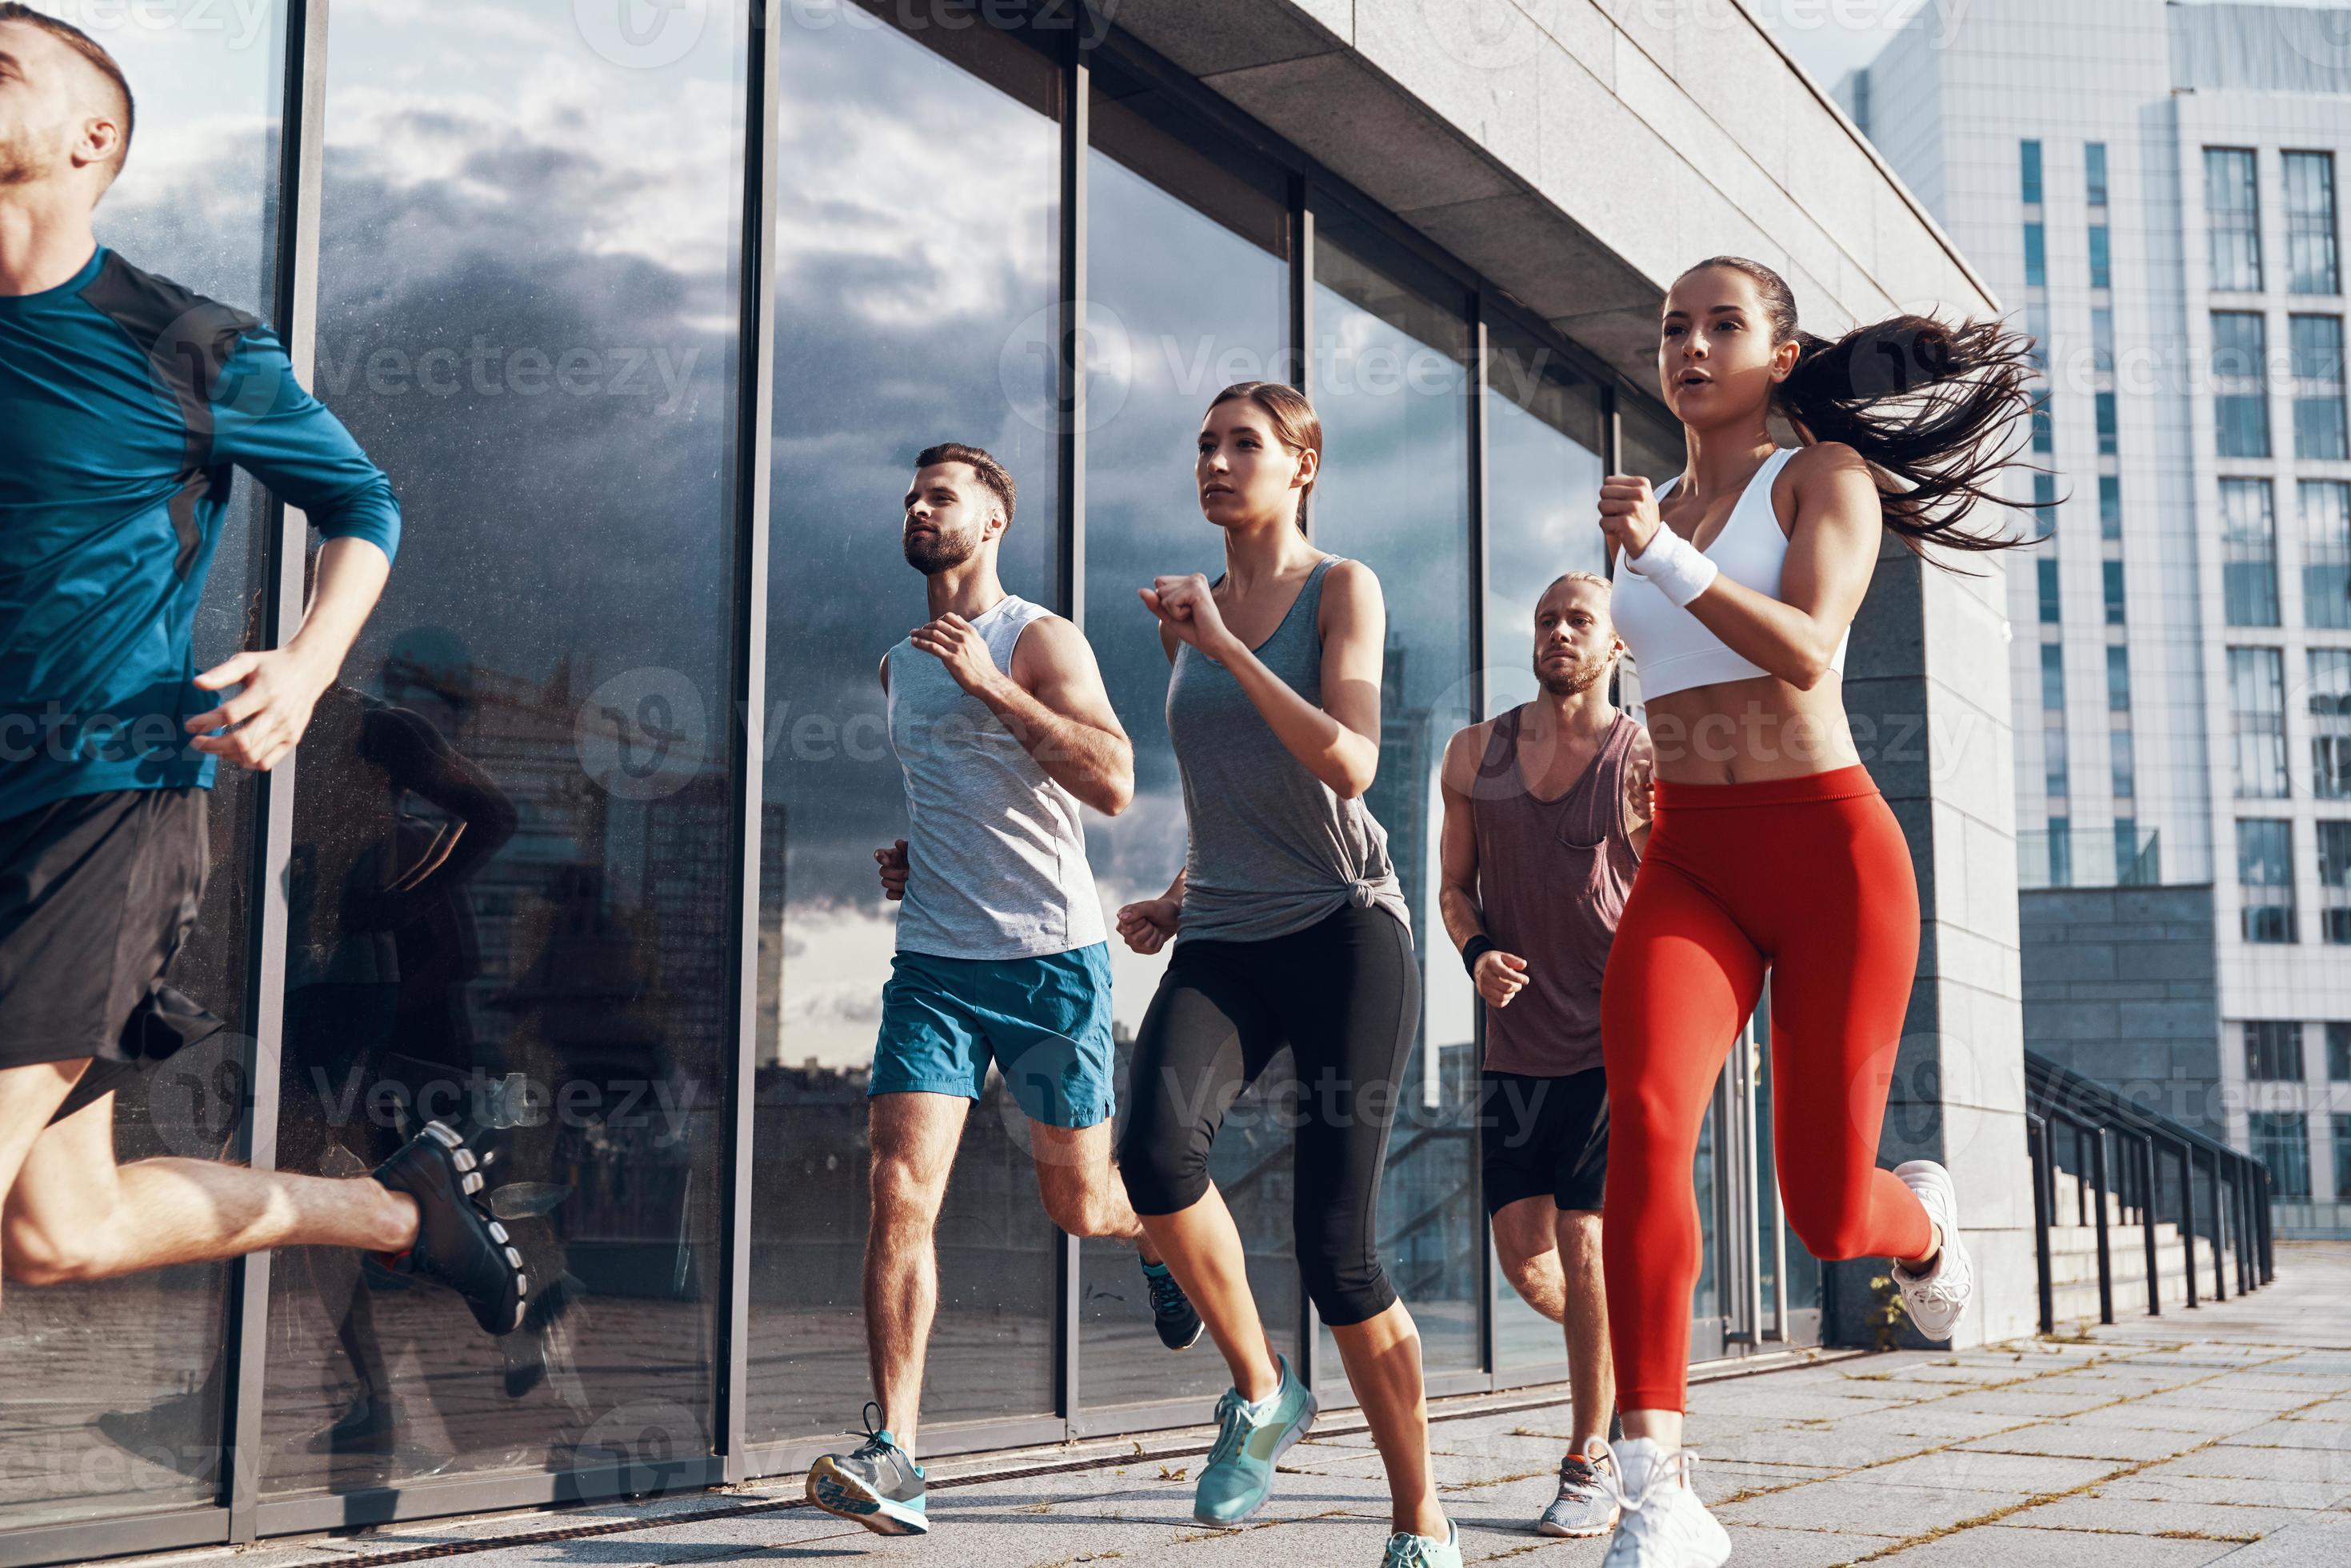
<point x="1938" y="1298"/>
<point x="1660" y="1523"/>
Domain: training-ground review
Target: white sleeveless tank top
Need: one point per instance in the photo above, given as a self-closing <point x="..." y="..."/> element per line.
<point x="995" y="852"/>
<point x="1671" y="651"/>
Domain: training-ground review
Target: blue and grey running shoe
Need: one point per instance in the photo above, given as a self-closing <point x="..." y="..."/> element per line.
<point x="1238" y="1475"/>
<point x="1409" y="1551"/>
<point x="878" y="1484"/>
<point x="1171" y="1309"/>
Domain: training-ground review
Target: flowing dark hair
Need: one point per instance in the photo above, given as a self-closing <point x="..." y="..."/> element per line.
<point x="1936" y="410"/>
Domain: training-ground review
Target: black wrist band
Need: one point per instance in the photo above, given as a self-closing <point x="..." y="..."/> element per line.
<point x="1476" y="947"/>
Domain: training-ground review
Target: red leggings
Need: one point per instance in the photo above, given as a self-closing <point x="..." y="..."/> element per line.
<point x="1809" y="877"/>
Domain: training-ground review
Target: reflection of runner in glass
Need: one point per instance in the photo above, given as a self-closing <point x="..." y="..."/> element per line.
<point x="1001" y="726"/>
<point x="1291" y="929"/>
<point x="1773" y="847"/>
<point x="129" y="398"/>
<point x="1546" y="811"/>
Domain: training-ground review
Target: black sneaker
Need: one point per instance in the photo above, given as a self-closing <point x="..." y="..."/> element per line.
<point x="878" y="1484"/>
<point x="457" y="1243"/>
<point x="1171" y="1309"/>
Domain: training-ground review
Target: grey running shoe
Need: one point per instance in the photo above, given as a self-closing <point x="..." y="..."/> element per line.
<point x="877" y="1484"/>
<point x="1171" y="1309"/>
<point x="1584" y="1507"/>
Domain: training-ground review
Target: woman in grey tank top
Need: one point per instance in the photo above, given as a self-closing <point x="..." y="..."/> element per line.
<point x="1291" y="929"/>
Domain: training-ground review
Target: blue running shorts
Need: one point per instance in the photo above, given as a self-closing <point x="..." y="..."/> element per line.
<point x="1045" y="1022"/>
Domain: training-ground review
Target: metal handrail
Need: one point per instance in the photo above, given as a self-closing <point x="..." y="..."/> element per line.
<point x="2238" y="1187"/>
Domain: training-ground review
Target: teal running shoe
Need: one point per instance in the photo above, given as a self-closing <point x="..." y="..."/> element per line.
<point x="878" y="1484"/>
<point x="1238" y="1475"/>
<point x="1421" y="1552"/>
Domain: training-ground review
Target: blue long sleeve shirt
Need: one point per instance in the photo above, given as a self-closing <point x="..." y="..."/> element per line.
<point x="125" y="401"/>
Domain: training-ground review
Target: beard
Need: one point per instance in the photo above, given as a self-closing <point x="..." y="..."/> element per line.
<point x="1579" y="677"/>
<point x="27" y="154"/>
<point x="934" y="553"/>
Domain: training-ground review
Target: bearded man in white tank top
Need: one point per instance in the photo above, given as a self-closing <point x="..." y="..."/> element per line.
<point x="1002" y="727"/>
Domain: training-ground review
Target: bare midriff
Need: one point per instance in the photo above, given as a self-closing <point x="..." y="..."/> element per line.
<point x="1742" y="732"/>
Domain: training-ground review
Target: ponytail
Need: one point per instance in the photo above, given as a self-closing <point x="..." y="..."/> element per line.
<point x="1936" y="410"/>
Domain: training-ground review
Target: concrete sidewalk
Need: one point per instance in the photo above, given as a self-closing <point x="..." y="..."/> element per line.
<point x="2223" y="1433"/>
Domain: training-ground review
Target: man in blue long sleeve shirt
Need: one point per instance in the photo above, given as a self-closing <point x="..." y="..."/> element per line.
<point x="125" y="401"/>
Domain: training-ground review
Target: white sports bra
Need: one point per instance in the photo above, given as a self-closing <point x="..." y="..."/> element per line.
<point x="1671" y="652"/>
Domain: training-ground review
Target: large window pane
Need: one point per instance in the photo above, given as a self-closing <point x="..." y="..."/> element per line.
<point x="113" y="1392"/>
<point x="2257" y="713"/>
<point x="2316" y="342"/>
<point x="1543" y="481"/>
<point x="1392" y="382"/>
<point x="2329" y="704"/>
<point x="1189" y="289"/>
<point x="2240" y="387"/>
<point x="511" y="881"/>
<point x="2248" y="553"/>
<point x="2233" y="217"/>
<point x="2326" y="506"/>
<point x="2265" y="879"/>
<point x="2309" y="223"/>
<point x="914" y="277"/>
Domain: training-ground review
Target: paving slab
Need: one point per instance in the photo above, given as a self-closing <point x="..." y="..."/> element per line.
<point x="2007" y="1543"/>
<point x="2165" y="1517"/>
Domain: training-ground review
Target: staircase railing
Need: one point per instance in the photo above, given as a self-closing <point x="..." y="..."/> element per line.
<point x="2237" y="1188"/>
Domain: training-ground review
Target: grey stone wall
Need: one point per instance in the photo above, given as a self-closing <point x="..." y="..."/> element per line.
<point x="2119" y="986"/>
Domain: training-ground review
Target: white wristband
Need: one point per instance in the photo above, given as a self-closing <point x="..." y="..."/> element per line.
<point x="1679" y="568"/>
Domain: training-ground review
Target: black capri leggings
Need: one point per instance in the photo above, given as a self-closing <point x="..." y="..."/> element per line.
<point x="1344" y="995"/>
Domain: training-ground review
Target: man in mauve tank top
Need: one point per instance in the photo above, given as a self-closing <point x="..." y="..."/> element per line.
<point x="1546" y="811"/>
<point x="1002" y="729"/>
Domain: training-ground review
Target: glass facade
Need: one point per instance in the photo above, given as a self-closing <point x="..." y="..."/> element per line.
<point x="2094" y="169"/>
<point x="2257" y="716"/>
<point x="2329" y="705"/>
<point x="581" y="849"/>
<point x="2240" y="414"/>
<point x="2028" y="172"/>
<point x="2232" y="218"/>
<point x="2334" y="894"/>
<point x="2280" y="1141"/>
<point x="2249" y="583"/>
<point x="2316" y="342"/>
<point x="2309" y="223"/>
<point x="2274" y="1051"/>
<point x="2265" y="878"/>
<point x="2325" y="509"/>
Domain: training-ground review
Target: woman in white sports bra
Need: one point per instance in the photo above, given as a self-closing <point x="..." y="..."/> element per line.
<point x="1772" y="848"/>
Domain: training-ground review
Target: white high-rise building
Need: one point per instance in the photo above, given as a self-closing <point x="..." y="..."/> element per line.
<point x="2153" y="191"/>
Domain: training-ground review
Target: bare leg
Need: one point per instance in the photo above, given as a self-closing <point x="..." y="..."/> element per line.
<point x="1080" y="1187"/>
<point x="1591" y="1374"/>
<point x="72" y="1214"/>
<point x="1526" y="1238"/>
<point x="913" y="1138"/>
<point x="1663" y="1427"/>
<point x="1383" y="1359"/>
<point x="1203" y="1246"/>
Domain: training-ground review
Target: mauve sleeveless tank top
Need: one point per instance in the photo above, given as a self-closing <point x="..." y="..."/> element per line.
<point x="1552" y="881"/>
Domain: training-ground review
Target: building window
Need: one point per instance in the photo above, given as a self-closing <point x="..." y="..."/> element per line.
<point x="2102" y="335"/>
<point x="2330" y="726"/>
<point x="2326" y="555"/>
<point x="2334" y="887"/>
<point x="2045" y="573"/>
<point x="2036" y="327"/>
<point x="2241" y="414"/>
<point x="2310" y="225"/>
<point x="2265" y="878"/>
<point x="2044" y="501"/>
<point x="2281" y="1142"/>
<point x="2105" y="405"/>
<point x="2053" y="771"/>
<point x="2052" y="677"/>
<point x="2274" y="1051"/>
<point x="2117" y="678"/>
<point x="2102" y="271"/>
<point x="2110" y="506"/>
<point x="2249" y="589"/>
<point x="2094" y="161"/>
<point x="2111" y="577"/>
<point x="2028" y="159"/>
<point x="2316" y="342"/>
<point x="2036" y="256"/>
<point x="2126" y="769"/>
<point x="2061" y="852"/>
<point x="2233" y="217"/>
<point x="2257" y="706"/>
<point x="2044" y="427"/>
<point x="2342" y="1155"/>
<point x="2135" y="857"/>
<point x="2338" y="1067"/>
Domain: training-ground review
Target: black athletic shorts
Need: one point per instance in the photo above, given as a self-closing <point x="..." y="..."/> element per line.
<point x="97" y="891"/>
<point x="1544" y="1137"/>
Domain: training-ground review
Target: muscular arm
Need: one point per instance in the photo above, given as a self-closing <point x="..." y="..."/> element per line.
<point x="1831" y="552"/>
<point x="1641" y="773"/>
<point x="1055" y="704"/>
<point x="1456" y="898"/>
<point x="1338" y="742"/>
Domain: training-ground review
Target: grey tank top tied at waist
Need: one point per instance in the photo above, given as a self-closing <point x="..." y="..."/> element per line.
<point x="1552" y="877"/>
<point x="996" y="852"/>
<point x="1273" y="849"/>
